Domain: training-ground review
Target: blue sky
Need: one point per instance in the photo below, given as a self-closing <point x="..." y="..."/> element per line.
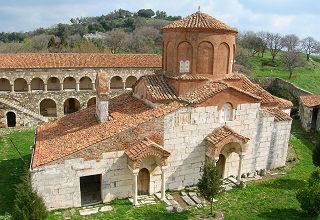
<point x="300" y="17"/>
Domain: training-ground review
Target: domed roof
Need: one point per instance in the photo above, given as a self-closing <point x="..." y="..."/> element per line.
<point x="199" y="20"/>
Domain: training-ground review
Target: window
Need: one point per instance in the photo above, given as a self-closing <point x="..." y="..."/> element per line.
<point x="226" y="112"/>
<point x="184" y="66"/>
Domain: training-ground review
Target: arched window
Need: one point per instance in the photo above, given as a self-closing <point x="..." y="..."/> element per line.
<point x="226" y="112"/>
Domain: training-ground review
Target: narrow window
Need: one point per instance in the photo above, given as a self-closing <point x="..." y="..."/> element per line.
<point x="187" y="66"/>
<point x="226" y="112"/>
<point x="181" y="66"/>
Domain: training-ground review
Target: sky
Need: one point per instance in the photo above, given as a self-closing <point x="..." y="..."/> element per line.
<point x="299" y="17"/>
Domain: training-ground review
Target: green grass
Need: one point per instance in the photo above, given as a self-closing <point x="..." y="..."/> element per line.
<point x="271" y="199"/>
<point x="306" y="77"/>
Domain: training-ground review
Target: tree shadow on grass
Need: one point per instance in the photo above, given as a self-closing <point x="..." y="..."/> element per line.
<point x="287" y="184"/>
<point x="11" y="171"/>
<point x="285" y="214"/>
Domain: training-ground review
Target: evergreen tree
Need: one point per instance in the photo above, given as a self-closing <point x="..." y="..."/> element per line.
<point x="27" y="204"/>
<point x="210" y="182"/>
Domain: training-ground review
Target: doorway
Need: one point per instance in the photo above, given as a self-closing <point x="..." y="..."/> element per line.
<point x="221" y="163"/>
<point x="11" y="119"/>
<point x="143" y="182"/>
<point x="90" y="187"/>
<point x="314" y="118"/>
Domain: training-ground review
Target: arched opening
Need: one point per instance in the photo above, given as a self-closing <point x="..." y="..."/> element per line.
<point x="48" y="108"/>
<point x="143" y="182"/>
<point x="116" y="83"/>
<point x="20" y="85"/>
<point x="226" y="112"/>
<point x="85" y="83"/>
<point x="91" y="101"/>
<point x="205" y="58"/>
<point x="37" y="85"/>
<point x="222" y="60"/>
<point x="231" y="152"/>
<point x="169" y="57"/>
<point x="185" y="57"/>
<point x="53" y="84"/>
<point x="71" y="105"/>
<point x="5" y="85"/>
<point x="221" y="163"/>
<point x="69" y="84"/>
<point x="131" y="80"/>
<point x="11" y="119"/>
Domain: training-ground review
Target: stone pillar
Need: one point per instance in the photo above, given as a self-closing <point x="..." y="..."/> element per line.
<point x="45" y="87"/>
<point x="163" y="182"/>
<point x="12" y="88"/>
<point x="61" y="86"/>
<point x="77" y="86"/>
<point x="240" y="167"/>
<point x="135" y="186"/>
<point x="29" y="87"/>
<point x="93" y="86"/>
<point x="123" y="85"/>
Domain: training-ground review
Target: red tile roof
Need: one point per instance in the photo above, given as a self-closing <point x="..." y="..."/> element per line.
<point x="78" y="60"/>
<point x="208" y="90"/>
<point x="159" y="88"/>
<point x="311" y="100"/>
<point x="134" y="152"/>
<point x="222" y="133"/>
<point x="79" y="130"/>
<point x="200" y="20"/>
<point x="278" y="114"/>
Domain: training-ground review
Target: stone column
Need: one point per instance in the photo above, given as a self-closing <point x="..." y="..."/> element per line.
<point x="77" y="86"/>
<point x="29" y="87"/>
<point x="123" y="85"/>
<point x="61" y="86"/>
<point x="163" y="182"/>
<point x="93" y="86"/>
<point x="45" y="87"/>
<point x="12" y="88"/>
<point x="240" y="167"/>
<point x="135" y="186"/>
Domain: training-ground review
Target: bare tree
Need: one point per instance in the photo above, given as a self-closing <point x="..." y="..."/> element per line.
<point x="291" y="42"/>
<point x="291" y="60"/>
<point x="40" y="42"/>
<point x="264" y="39"/>
<point x="115" y="39"/>
<point x="249" y="40"/>
<point x="309" y="45"/>
<point x="274" y="44"/>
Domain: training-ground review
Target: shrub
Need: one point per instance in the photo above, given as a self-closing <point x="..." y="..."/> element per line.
<point x="27" y="204"/>
<point x="309" y="197"/>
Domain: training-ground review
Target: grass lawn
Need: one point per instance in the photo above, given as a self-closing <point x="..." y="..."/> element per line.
<point x="306" y="77"/>
<point x="271" y="199"/>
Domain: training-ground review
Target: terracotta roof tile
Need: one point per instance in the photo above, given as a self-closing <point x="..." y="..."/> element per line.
<point x="200" y="20"/>
<point x="222" y="133"/>
<point x="279" y="115"/>
<point x="134" y="152"/>
<point x="77" y="60"/>
<point x="159" y="88"/>
<point x="79" y="130"/>
<point x="208" y="90"/>
<point x="188" y="77"/>
<point x="311" y="100"/>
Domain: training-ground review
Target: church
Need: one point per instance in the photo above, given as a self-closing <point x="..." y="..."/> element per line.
<point x="157" y="137"/>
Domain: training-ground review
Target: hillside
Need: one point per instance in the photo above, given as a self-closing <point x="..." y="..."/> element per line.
<point x="306" y="77"/>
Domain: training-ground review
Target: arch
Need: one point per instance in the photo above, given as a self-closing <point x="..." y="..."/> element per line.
<point x="116" y="83"/>
<point x="71" y="105"/>
<point x="85" y="83"/>
<point x="143" y="182"/>
<point x="169" y="57"/>
<point x="53" y="84"/>
<point x="48" y="108"/>
<point x="91" y="101"/>
<point x="69" y="84"/>
<point x="11" y="119"/>
<point x="221" y="163"/>
<point x="222" y="59"/>
<point x="37" y="84"/>
<point x="130" y="81"/>
<point x="20" y="85"/>
<point x="234" y="58"/>
<point x="5" y="85"/>
<point x="185" y="54"/>
<point x="205" y="58"/>
<point x="226" y="112"/>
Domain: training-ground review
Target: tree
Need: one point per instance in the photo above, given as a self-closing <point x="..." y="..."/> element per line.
<point x="291" y="60"/>
<point x="309" y="197"/>
<point x="27" y="204"/>
<point x="210" y="182"/>
<point x="146" y="13"/>
<point x="291" y="42"/>
<point x="115" y="39"/>
<point x="263" y="36"/>
<point x="309" y="45"/>
<point x="274" y="42"/>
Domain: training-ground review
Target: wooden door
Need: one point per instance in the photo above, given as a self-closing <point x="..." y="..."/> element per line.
<point x="143" y="182"/>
